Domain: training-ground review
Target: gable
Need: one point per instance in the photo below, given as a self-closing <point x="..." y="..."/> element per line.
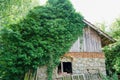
<point x="93" y="39"/>
<point x="105" y="38"/>
<point x="89" y="42"/>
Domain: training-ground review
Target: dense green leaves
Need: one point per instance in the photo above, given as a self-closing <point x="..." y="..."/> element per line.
<point x="41" y="38"/>
<point x="11" y="11"/>
<point x="115" y="29"/>
<point x="112" y="52"/>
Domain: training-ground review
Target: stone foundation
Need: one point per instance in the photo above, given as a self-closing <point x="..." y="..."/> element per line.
<point x="42" y="73"/>
<point x="88" y="65"/>
<point x="91" y="63"/>
<point x="84" y="62"/>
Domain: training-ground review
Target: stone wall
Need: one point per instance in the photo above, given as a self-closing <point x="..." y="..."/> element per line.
<point x="42" y="73"/>
<point x="86" y="65"/>
<point x="81" y="63"/>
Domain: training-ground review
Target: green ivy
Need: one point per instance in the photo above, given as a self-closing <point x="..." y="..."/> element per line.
<point x="112" y="53"/>
<point x="40" y="39"/>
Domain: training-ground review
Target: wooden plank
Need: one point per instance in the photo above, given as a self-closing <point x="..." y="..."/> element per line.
<point x="92" y="41"/>
<point x="89" y="42"/>
<point x="62" y="67"/>
<point x="101" y="33"/>
<point x="76" y="46"/>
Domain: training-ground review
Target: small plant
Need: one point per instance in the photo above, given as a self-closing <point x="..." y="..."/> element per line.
<point x="113" y="77"/>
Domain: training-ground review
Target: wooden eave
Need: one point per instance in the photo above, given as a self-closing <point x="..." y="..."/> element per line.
<point x="105" y="38"/>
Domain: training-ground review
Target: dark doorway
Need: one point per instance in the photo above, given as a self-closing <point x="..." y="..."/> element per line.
<point x="65" y="67"/>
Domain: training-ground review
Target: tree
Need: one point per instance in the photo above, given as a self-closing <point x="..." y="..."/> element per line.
<point x="112" y="52"/>
<point x="11" y="11"/>
<point x="41" y="38"/>
<point x="115" y="29"/>
<point x="102" y="26"/>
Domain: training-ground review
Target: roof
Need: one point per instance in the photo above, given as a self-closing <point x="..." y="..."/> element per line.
<point x="106" y="39"/>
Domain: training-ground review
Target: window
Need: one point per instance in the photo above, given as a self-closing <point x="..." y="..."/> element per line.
<point x="65" y="67"/>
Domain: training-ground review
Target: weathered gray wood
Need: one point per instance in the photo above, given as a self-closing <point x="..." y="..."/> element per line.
<point x="61" y="67"/>
<point x="101" y="34"/>
<point x="76" y="46"/>
<point x="72" y="77"/>
<point x="89" y="42"/>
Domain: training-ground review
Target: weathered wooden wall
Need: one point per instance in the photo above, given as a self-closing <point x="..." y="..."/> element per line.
<point x="76" y="46"/>
<point x="89" y="42"/>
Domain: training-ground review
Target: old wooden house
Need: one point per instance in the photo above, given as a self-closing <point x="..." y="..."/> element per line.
<point x="85" y="56"/>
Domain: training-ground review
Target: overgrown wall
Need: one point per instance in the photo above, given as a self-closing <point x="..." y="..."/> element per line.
<point x="81" y="63"/>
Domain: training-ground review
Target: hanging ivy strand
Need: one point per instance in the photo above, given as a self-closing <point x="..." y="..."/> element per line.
<point x="40" y="39"/>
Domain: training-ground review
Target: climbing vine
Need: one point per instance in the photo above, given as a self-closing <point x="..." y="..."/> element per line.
<point x="41" y="38"/>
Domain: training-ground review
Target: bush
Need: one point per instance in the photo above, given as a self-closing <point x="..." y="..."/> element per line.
<point x="113" y="77"/>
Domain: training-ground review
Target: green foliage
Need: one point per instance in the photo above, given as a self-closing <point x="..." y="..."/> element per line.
<point x="117" y="64"/>
<point x="115" y="29"/>
<point x="11" y="11"/>
<point x="102" y="26"/>
<point x="41" y="38"/>
<point x="113" y="77"/>
<point x="112" y="54"/>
